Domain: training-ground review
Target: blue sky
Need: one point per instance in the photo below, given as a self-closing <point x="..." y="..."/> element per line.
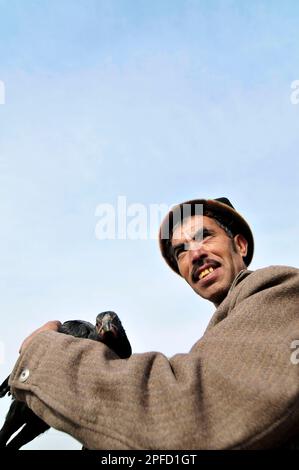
<point x="159" y="102"/>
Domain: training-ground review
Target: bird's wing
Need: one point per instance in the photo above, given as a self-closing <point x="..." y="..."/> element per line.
<point x="77" y="328"/>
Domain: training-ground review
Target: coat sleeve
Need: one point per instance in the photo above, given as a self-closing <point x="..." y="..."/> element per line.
<point x="237" y="388"/>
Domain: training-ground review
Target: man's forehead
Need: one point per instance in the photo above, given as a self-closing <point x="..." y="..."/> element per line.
<point x="190" y="226"/>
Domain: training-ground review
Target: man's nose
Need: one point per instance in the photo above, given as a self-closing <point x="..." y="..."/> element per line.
<point x="196" y="252"/>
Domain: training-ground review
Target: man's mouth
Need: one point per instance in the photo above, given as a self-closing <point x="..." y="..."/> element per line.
<point x="203" y="271"/>
<point x="206" y="272"/>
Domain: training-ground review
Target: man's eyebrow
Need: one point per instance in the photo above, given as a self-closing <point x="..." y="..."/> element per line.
<point x="198" y="235"/>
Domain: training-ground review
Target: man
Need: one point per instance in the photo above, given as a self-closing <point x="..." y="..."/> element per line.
<point x="237" y="388"/>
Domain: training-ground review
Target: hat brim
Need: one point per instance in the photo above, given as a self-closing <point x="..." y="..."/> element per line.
<point x="234" y="220"/>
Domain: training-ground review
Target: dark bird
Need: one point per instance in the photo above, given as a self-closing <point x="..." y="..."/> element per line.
<point x="108" y="330"/>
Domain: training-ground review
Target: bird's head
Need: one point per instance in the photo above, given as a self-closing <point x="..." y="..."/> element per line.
<point x="112" y="333"/>
<point x="107" y="325"/>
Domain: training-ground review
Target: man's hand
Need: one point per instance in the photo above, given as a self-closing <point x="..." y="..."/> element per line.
<point x="50" y="325"/>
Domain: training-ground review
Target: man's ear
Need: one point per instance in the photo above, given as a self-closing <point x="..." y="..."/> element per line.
<point x="241" y="244"/>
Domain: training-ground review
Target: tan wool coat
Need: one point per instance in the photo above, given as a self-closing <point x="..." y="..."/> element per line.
<point x="238" y="387"/>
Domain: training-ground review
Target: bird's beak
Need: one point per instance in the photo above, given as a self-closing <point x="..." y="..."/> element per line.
<point x="106" y="326"/>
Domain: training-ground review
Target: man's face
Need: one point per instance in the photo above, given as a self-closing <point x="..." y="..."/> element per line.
<point x="207" y="257"/>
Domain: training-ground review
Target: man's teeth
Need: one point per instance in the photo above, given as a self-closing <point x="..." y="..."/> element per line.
<point x="206" y="272"/>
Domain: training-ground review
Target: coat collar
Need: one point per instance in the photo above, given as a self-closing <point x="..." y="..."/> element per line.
<point x="225" y="306"/>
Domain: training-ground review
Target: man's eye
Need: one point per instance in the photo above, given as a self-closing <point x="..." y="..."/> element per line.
<point x="178" y="252"/>
<point x="206" y="234"/>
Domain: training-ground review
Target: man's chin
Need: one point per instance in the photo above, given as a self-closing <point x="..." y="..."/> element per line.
<point x="213" y="293"/>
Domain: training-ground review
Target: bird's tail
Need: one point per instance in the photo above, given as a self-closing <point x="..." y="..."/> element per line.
<point x="4" y="388"/>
